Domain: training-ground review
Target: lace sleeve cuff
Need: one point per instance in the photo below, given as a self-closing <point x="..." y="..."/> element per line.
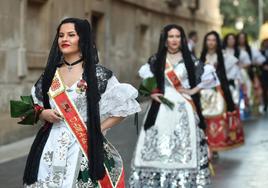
<point x="119" y="99"/>
<point x="209" y="78"/>
<point x="145" y="71"/>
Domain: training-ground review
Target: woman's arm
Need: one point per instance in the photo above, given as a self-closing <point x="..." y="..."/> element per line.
<point x="110" y="122"/>
<point x="190" y="91"/>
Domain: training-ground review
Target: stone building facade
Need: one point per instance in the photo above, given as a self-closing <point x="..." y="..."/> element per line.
<point x="126" y="34"/>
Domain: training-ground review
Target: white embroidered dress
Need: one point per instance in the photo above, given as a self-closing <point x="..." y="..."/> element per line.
<point x="173" y="152"/>
<point x="62" y="158"/>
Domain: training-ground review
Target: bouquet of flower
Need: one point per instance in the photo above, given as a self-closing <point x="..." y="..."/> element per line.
<point x="149" y="86"/>
<point x="25" y="109"/>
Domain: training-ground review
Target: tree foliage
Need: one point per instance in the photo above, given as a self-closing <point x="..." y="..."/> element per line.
<point x="244" y="10"/>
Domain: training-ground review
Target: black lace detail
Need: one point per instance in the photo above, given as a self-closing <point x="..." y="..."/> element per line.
<point x="38" y="88"/>
<point x="199" y="70"/>
<point x="103" y="75"/>
<point x="151" y="62"/>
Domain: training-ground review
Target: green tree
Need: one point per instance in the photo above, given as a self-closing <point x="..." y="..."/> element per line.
<point x="245" y="11"/>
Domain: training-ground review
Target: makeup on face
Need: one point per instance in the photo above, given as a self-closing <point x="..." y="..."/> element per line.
<point x="68" y="39"/>
<point x="211" y="42"/>
<point x="173" y="39"/>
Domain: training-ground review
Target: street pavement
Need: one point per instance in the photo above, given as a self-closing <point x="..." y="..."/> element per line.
<point x="244" y="167"/>
<point x="247" y="166"/>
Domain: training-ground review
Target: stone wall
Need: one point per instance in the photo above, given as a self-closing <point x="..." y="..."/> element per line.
<point x="126" y="33"/>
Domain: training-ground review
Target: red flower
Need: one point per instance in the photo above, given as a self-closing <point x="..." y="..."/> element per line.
<point x="81" y="86"/>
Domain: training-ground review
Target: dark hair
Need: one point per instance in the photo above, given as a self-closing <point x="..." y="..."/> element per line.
<point x="220" y="69"/>
<point x="95" y="137"/>
<point x="225" y="43"/>
<point x="192" y="34"/>
<point x="158" y="68"/>
<point x="248" y="49"/>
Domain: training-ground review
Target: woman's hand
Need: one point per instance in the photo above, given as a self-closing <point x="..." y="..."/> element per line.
<point x="156" y="96"/>
<point x="185" y="91"/>
<point x="50" y="115"/>
<point x="189" y="91"/>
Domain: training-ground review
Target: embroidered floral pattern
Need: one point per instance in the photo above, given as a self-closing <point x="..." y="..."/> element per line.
<point x="48" y="157"/>
<point x="155" y="178"/>
<point x="169" y="148"/>
<point x="55" y="84"/>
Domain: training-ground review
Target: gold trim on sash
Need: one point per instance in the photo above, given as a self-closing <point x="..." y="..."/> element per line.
<point x="76" y="125"/>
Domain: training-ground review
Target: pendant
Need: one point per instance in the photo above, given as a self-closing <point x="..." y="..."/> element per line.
<point x="69" y="68"/>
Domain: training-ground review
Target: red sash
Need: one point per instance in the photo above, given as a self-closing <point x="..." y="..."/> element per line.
<point x="172" y="76"/>
<point x="175" y="81"/>
<point x="76" y="125"/>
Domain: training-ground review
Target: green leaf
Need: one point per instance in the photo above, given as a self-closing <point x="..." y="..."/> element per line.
<point x="147" y="86"/>
<point x="27" y="99"/>
<point x="28" y="120"/>
<point x="23" y="108"/>
<point x="18" y="108"/>
<point x="167" y="102"/>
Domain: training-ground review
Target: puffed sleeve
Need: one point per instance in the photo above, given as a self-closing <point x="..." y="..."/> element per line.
<point x="118" y="99"/>
<point x="231" y="67"/>
<point x="244" y="58"/>
<point x="145" y="71"/>
<point x="209" y="78"/>
<point x="257" y="57"/>
<point x="36" y="92"/>
<point x="37" y="95"/>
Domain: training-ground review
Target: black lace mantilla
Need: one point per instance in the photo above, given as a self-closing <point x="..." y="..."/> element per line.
<point x="103" y="75"/>
<point x="199" y="70"/>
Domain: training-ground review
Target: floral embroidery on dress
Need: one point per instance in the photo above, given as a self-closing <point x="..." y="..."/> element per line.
<point x="48" y="157"/>
<point x="84" y="165"/>
<point x="64" y="141"/>
<point x="169" y="148"/>
<point x="61" y="162"/>
<point x="114" y="174"/>
<point x="108" y="151"/>
<point x="81" y="86"/>
<point x="82" y="184"/>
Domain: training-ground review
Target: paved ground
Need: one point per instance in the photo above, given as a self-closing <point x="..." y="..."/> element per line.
<point x="245" y="167"/>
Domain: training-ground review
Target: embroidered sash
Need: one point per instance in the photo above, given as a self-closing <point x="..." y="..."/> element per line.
<point x="77" y="127"/>
<point x="171" y="76"/>
<point x="175" y="81"/>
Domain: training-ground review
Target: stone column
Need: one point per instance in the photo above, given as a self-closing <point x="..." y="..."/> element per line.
<point x="21" y="53"/>
<point x="107" y="31"/>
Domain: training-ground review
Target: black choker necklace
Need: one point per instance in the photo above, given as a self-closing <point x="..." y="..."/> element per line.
<point x="70" y="65"/>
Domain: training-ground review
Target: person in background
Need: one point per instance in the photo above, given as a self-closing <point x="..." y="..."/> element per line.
<point x="171" y="149"/>
<point x="192" y="41"/>
<point x="218" y="106"/>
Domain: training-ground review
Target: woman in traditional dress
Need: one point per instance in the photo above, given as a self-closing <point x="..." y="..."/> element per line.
<point x="75" y="94"/>
<point x="171" y="149"/>
<point x="264" y="74"/>
<point x="233" y="72"/>
<point x="230" y="47"/>
<point x="254" y="89"/>
<point x="217" y="103"/>
<point x="232" y="67"/>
